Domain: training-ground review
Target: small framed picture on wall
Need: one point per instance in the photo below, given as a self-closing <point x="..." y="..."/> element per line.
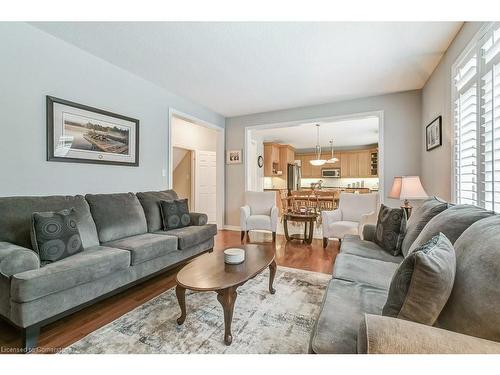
<point x="433" y="134"/>
<point x="233" y="157"/>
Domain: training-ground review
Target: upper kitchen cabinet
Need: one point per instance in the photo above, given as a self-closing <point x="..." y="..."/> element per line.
<point x="327" y="156"/>
<point x="357" y="164"/>
<point x="349" y="164"/>
<point x="287" y="156"/>
<point x="364" y="163"/>
<point x="276" y="159"/>
<point x="271" y="159"/>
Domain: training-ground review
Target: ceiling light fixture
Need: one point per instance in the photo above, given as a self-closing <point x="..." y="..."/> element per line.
<point x="318" y="161"/>
<point x="332" y="159"/>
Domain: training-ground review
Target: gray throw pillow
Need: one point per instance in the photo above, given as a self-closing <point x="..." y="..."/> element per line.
<point x="175" y="214"/>
<point x="419" y="218"/>
<point x="55" y="235"/>
<point x="423" y="282"/>
<point x="390" y="229"/>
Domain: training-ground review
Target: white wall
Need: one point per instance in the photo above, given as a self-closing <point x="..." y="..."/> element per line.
<point x="34" y="64"/>
<point x="187" y="135"/>
<point x="436" y="100"/>
<point x="402" y="137"/>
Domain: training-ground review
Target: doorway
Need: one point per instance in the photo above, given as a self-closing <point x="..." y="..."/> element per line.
<point x="196" y="164"/>
<point x="183" y="173"/>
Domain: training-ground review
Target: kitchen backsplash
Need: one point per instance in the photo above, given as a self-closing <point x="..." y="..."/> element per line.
<point x="280" y="183"/>
<point x="371" y="183"/>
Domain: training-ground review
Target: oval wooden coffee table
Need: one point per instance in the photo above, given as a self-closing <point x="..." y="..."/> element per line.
<point x="209" y="273"/>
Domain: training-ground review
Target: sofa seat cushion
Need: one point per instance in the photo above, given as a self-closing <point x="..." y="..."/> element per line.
<point x="342" y="311"/>
<point x="354" y="245"/>
<point x="372" y="272"/>
<point x="339" y="229"/>
<point x="89" y="265"/>
<point x="192" y="235"/>
<point x="262" y="222"/>
<point x="146" y="246"/>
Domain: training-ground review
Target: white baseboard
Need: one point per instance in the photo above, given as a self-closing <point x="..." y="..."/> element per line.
<point x="232" y="227"/>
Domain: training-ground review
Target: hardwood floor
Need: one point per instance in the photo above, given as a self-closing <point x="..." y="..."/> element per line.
<point x="68" y="330"/>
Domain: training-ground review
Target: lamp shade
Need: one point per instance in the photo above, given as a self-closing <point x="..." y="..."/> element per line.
<point x="407" y="187"/>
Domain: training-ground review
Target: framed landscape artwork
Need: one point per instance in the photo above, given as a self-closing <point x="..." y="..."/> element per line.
<point x="433" y="134"/>
<point x="81" y="134"/>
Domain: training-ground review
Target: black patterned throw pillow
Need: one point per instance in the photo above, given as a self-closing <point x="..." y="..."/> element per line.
<point x="175" y="214"/>
<point x="390" y="230"/>
<point x="55" y="235"/>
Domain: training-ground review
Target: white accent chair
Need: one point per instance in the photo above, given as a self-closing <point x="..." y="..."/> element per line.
<point x="259" y="213"/>
<point x="353" y="213"/>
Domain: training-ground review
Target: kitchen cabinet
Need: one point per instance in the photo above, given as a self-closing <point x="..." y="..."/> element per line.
<point x="352" y="164"/>
<point x="271" y="159"/>
<point x="306" y="166"/>
<point x="364" y="163"/>
<point x="327" y="156"/>
<point x="287" y="156"/>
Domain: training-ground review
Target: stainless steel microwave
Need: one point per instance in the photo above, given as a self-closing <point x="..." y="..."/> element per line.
<point x="330" y="172"/>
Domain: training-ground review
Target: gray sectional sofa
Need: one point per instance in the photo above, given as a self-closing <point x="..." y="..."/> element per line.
<point x="351" y="318"/>
<point x="123" y="244"/>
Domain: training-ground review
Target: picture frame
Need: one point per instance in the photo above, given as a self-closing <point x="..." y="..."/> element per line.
<point x="434" y="134"/>
<point x="78" y="133"/>
<point x="234" y="157"/>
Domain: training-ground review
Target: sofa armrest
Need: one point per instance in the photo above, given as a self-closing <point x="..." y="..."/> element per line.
<point x="385" y="335"/>
<point x="198" y="218"/>
<point x="366" y="219"/>
<point x="244" y="215"/>
<point x="368" y="233"/>
<point x="15" y="259"/>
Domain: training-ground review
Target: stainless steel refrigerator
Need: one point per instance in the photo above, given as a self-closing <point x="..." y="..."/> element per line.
<point x="293" y="177"/>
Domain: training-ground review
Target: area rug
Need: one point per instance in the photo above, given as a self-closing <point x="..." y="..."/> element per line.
<point x="262" y="322"/>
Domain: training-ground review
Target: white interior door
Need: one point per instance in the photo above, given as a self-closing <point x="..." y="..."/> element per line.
<point x="206" y="184"/>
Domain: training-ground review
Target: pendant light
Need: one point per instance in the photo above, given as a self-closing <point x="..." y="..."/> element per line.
<point x="333" y="159"/>
<point x="318" y="161"/>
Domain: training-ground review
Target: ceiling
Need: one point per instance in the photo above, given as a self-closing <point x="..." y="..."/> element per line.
<point x="237" y="68"/>
<point x="345" y="133"/>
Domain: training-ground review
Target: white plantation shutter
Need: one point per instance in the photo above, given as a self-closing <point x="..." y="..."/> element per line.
<point x="476" y="103"/>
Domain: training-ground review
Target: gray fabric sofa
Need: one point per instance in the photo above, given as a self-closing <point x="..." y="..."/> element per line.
<point x="123" y="245"/>
<point x="350" y="319"/>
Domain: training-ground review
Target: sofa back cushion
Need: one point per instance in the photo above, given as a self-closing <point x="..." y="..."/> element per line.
<point x="451" y="222"/>
<point x="420" y="217"/>
<point x="150" y="201"/>
<point x="117" y="215"/>
<point x="16" y="212"/>
<point x="353" y="206"/>
<point x="474" y="304"/>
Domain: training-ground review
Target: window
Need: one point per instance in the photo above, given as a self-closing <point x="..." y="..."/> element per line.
<point x="476" y="107"/>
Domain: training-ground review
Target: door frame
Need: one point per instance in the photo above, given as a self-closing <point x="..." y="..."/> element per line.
<point x="286" y="124"/>
<point x="168" y="172"/>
